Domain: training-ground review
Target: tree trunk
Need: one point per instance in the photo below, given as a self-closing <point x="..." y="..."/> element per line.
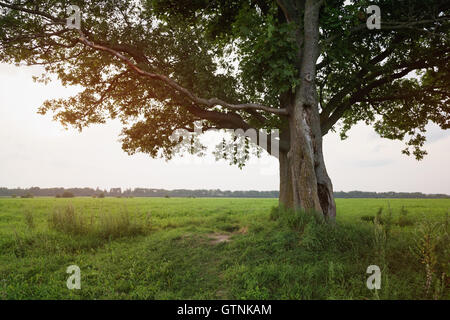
<point x="304" y="181"/>
<point x="301" y="159"/>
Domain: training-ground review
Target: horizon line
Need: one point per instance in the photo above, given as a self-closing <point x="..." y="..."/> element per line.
<point x="216" y="189"/>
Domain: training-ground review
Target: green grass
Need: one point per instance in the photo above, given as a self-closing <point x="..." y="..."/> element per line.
<point x="158" y="248"/>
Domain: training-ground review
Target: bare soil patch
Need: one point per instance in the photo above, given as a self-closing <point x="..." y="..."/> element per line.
<point x="225" y="237"/>
<point x="218" y="238"/>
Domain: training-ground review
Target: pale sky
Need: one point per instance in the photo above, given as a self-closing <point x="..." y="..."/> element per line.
<point x="36" y="151"/>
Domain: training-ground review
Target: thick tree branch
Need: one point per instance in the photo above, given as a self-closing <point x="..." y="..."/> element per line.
<point x="288" y="9"/>
<point x="360" y="95"/>
<point x="330" y="106"/>
<point x="389" y="26"/>
<point x="224" y="120"/>
<point x="197" y="100"/>
<point x="35" y="12"/>
<point x="408" y="96"/>
<point x="362" y="86"/>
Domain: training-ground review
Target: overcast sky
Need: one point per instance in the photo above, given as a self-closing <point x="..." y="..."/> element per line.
<point x="36" y="151"/>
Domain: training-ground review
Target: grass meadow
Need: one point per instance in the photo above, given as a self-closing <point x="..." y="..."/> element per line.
<point x="184" y="248"/>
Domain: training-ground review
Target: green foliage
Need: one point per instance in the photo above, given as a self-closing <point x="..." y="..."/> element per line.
<point x="269" y="52"/>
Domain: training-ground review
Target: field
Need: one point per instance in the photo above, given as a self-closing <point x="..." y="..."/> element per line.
<point x="182" y="248"/>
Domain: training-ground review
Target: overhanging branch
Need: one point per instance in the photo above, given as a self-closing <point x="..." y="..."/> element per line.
<point x="197" y="100"/>
<point x="116" y="50"/>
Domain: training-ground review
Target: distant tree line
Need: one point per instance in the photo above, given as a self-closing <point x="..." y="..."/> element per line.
<point x="202" y="193"/>
<point x="389" y="194"/>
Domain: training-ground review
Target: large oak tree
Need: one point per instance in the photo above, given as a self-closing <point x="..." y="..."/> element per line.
<point x="299" y="66"/>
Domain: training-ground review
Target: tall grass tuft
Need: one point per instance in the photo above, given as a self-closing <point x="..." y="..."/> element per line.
<point x="118" y="225"/>
<point x="432" y="250"/>
<point x="403" y="219"/>
<point x="29" y="219"/>
<point x="67" y="220"/>
<point x="107" y="225"/>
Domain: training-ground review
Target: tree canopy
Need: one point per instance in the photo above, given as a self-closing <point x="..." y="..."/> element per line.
<point x="161" y="65"/>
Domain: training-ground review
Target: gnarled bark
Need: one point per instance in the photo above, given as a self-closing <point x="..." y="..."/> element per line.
<point x="301" y="160"/>
<point x="304" y="181"/>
